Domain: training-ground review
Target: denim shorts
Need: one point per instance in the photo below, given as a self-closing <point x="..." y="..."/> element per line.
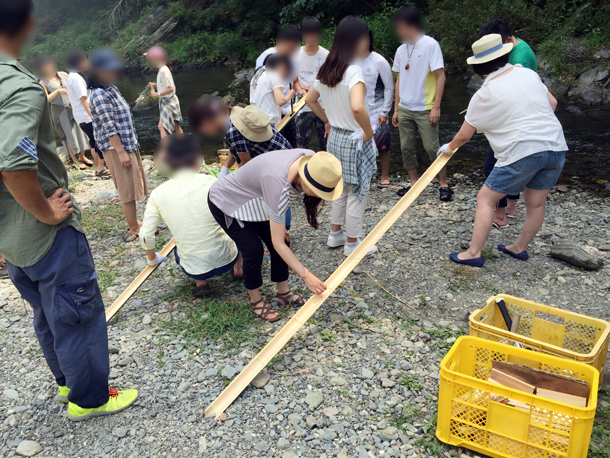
<point x="211" y="273"/>
<point x="538" y="171"/>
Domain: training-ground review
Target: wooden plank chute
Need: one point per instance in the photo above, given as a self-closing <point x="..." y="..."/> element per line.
<point x="286" y="119"/>
<point x="135" y="285"/>
<point x="261" y="360"/>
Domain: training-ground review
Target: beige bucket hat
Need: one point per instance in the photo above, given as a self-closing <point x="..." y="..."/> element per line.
<point x="252" y="123"/>
<point x="323" y="174"/>
<point x="488" y="48"/>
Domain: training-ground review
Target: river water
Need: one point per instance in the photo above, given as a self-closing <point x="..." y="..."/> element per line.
<point x="587" y="134"/>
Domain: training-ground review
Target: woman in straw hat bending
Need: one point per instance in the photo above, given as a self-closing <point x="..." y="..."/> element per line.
<point x="250" y="205"/>
<point x="515" y="111"/>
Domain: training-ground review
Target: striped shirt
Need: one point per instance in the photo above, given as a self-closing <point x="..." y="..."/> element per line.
<point x="260" y="191"/>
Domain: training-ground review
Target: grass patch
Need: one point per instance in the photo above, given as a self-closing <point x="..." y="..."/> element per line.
<point x="411" y="382"/>
<point x="409" y="415"/>
<point x="228" y="323"/>
<point x="160" y="243"/>
<point x="103" y="220"/>
<point x="462" y="279"/>
<point x="442" y="334"/>
<point x="600" y="438"/>
<point x="488" y="253"/>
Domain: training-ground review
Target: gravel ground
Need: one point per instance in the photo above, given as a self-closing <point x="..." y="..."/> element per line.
<point x="360" y="380"/>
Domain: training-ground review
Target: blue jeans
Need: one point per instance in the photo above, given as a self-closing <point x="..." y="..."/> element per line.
<point x="69" y="316"/>
<point x="538" y="171"/>
<point x="211" y="273"/>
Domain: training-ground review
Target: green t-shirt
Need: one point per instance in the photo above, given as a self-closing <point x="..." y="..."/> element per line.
<point x="523" y="54"/>
<point x="27" y="143"/>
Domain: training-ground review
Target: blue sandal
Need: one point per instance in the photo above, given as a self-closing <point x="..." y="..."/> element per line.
<point x="474" y="262"/>
<point x="523" y="256"/>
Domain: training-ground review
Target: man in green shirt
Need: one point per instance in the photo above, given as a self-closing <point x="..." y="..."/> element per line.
<point x="521" y="54"/>
<point x="42" y="238"/>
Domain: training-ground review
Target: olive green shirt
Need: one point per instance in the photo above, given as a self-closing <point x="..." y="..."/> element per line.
<point x="27" y="142"/>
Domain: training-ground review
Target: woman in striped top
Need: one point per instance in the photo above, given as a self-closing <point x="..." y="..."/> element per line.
<point x="251" y="203"/>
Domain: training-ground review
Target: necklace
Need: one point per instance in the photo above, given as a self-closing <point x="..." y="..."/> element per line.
<point x="409" y="54"/>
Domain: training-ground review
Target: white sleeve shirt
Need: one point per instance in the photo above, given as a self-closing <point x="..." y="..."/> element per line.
<point x="380" y="85"/>
<point x="77" y="88"/>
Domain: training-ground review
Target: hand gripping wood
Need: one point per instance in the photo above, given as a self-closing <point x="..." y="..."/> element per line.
<point x="135" y="285"/>
<point x="261" y="360"/>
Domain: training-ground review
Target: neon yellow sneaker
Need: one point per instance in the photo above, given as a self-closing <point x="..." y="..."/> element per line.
<point x="118" y="401"/>
<point x="62" y="396"/>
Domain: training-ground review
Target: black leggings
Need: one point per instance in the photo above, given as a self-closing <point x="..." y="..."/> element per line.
<point x="248" y="241"/>
<point x="87" y="128"/>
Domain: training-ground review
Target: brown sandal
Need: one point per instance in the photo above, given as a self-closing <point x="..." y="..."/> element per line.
<point x="289" y="298"/>
<point x="265" y="311"/>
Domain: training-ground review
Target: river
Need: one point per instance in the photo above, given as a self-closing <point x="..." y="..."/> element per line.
<point x="587" y="134"/>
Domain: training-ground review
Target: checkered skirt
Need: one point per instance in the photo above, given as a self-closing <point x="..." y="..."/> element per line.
<point x="358" y="166"/>
<point x="170" y="112"/>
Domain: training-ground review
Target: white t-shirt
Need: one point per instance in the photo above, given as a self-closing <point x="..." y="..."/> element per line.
<point x="165" y="80"/>
<point x="289" y="80"/>
<point x="337" y="100"/>
<point x="514" y="113"/>
<point x="417" y="86"/>
<point x="264" y="98"/>
<point x="309" y="66"/>
<point x="380" y="85"/>
<point x="77" y="88"/>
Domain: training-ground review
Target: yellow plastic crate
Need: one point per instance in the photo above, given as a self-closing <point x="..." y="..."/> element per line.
<point x="468" y="417"/>
<point x="545" y="329"/>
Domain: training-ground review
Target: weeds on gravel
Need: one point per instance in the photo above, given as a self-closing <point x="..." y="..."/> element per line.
<point x="409" y="415"/>
<point x="411" y="382"/>
<point x="600" y="439"/>
<point x="228" y="324"/>
<point x="462" y="279"/>
<point x="105" y="278"/>
<point x="327" y="334"/>
<point x="446" y="337"/>
<point x="160" y="243"/>
<point x="488" y="253"/>
<point x="103" y="220"/>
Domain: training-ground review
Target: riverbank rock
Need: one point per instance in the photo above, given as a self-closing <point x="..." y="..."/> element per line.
<point x="145" y="101"/>
<point x="28" y="448"/>
<point x="575" y="255"/>
<point x="593" y="86"/>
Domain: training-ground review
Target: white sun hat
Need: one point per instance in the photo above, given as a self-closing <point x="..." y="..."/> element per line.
<point x="488" y="48"/>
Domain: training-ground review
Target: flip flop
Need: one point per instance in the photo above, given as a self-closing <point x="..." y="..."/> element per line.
<point x="104" y="173"/>
<point x="523" y="256"/>
<point x="474" y="262"/>
<point x="497" y="226"/>
<point x="511" y="216"/>
<point x="87" y="162"/>
<point x="383" y="185"/>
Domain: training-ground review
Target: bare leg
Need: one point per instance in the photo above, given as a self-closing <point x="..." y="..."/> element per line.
<point x="442" y="176"/>
<point x="162" y="130"/>
<point x="385" y="159"/>
<point x="511" y="207"/>
<point x="500" y="216"/>
<point x="178" y="127"/>
<point x="131" y="215"/>
<point x="486" y="202"/>
<point x="238" y="268"/>
<point x="70" y="153"/>
<point x="201" y="283"/>
<point x="413" y="176"/>
<point x="535" y="202"/>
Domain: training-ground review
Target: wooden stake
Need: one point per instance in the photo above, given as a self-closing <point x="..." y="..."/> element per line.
<point x="261" y="360"/>
<point x="298" y="107"/>
<point x="135" y="285"/>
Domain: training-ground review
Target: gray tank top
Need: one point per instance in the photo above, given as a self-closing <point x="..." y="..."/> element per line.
<point x="61" y="100"/>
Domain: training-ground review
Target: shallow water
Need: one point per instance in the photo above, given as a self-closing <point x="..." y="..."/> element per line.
<point x="587" y="134"/>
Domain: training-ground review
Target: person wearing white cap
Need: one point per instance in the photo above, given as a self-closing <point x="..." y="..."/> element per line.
<point x="515" y="111"/>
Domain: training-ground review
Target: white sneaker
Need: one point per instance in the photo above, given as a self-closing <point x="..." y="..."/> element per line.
<point x="336" y="240"/>
<point x="349" y="248"/>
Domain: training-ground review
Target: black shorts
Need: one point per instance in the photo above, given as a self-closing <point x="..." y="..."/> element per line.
<point x="87" y="128"/>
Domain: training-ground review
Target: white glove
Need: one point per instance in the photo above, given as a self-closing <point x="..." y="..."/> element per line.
<point x="158" y="260"/>
<point x="358" y="139"/>
<point x="445" y="149"/>
<point x="224" y="172"/>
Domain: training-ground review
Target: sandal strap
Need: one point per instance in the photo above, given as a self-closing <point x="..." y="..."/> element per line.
<point x="288" y="298"/>
<point x="264" y="310"/>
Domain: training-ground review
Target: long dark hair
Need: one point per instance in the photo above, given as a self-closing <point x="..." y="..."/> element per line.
<point x="349" y="33"/>
<point x="312" y="209"/>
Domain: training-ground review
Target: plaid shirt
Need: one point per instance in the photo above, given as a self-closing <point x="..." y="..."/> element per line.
<point x="112" y="116"/>
<point x="238" y="144"/>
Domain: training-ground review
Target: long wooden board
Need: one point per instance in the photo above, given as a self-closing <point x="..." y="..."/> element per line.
<point x="141" y="278"/>
<point x="135" y="285"/>
<point x="286" y="119"/>
<point x="261" y="360"/>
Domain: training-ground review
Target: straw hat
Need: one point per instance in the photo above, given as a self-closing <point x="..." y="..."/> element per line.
<point x="489" y="48"/>
<point x="252" y="123"/>
<point x="322" y="173"/>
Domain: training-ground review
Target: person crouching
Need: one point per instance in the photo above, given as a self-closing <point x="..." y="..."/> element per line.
<point x="203" y="249"/>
